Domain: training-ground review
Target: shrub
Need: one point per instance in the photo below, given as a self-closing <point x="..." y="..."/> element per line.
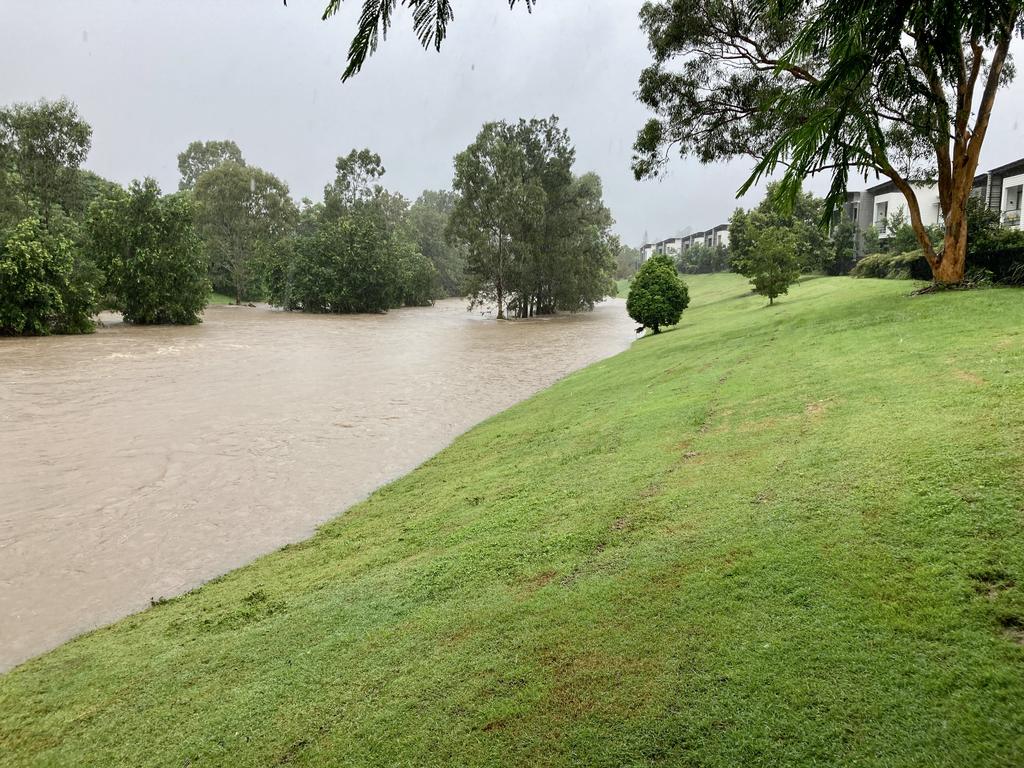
<point x="45" y="284"/>
<point x="657" y="296"/>
<point x="891" y="266"/>
<point x="149" y="249"/>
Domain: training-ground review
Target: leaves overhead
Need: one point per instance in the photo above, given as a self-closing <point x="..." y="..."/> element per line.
<point x="430" y="23"/>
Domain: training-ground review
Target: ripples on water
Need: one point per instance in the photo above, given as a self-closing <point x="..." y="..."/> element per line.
<point x="140" y="462"/>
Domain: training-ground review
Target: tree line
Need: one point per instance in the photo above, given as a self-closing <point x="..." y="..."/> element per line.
<point x="519" y="230"/>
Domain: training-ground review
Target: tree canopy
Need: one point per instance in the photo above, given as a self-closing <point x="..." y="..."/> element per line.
<point x="901" y="90"/>
<point x="147" y="245"/>
<point x="202" y="156"/>
<point x="657" y="295"/>
<point x="42" y="146"/>
<point x="241" y="212"/>
<point x="537" y="236"/>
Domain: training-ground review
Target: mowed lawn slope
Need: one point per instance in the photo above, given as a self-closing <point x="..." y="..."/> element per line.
<point x="771" y="536"/>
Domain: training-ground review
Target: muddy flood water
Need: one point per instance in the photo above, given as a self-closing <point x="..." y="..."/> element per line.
<point x="137" y="463"/>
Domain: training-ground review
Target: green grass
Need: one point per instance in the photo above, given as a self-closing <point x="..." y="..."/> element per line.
<point x="622" y="286"/>
<point x="777" y="536"/>
<point x="219" y="298"/>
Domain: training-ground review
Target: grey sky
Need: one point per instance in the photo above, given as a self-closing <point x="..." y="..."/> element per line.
<point x="151" y="76"/>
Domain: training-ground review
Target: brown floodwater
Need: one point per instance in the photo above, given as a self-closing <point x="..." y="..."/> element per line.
<point x="137" y="463"/>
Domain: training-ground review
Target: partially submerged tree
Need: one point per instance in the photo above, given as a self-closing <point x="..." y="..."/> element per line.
<point x="242" y="211"/>
<point x="657" y="295"/>
<point x="537" y="237"/>
<point x="428" y="219"/>
<point x="45" y="285"/>
<point x="147" y="245"/>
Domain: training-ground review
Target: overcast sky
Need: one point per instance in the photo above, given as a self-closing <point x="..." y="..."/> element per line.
<point x="151" y="76"/>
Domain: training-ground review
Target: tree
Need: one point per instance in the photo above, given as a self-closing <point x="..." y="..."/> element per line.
<point x="428" y="218"/>
<point x="202" y="156"/>
<point x="902" y="90"/>
<point x="45" y="285"/>
<point x="703" y="259"/>
<point x="148" y="247"/>
<point x="537" y="237"/>
<point x="355" y="180"/>
<point x="346" y="266"/>
<point x="844" y="247"/>
<point x="42" y="146"/>
<point x="496" y="200"/>
<point x="242" y="211"/>
<point x="811" y="246"/>
<point x="773" y="265"/>
<point x="627" y="259"/>
<point x="657" y="295"/>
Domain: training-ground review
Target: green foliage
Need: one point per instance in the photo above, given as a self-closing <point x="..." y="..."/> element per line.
<point x="202" y="156"/>
<point x="657" y="295"/>
<point x="843" y="254"/>
<point x="357" y="251"/>
<point x="773" y="265"/>
<point x="355" y="180"/>
<point x="986" y="234"/>
<point x="428" y="220"/>
<point x="348" y="265"/>
<point x="537" y="237"/>
<point x="42" y="146"/>
<point x="812" y="250"/>
<point x="45" y="285"/>
<point x="711" y="84"/>
<point x="419" y="279"/>
<point x="888" y="266"/>
<point x="242" y="213"/>
<point x="701" y="259"/>
<point x="627" y="259"/>
<point x="148" y="247"/>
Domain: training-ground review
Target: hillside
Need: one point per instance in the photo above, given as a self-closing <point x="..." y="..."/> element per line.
<point x="770" y="536"/>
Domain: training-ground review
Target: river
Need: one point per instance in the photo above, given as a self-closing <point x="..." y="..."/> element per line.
<point x="137" y="463"/>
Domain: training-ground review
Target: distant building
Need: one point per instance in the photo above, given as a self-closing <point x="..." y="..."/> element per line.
<point x="1001" y="188"/>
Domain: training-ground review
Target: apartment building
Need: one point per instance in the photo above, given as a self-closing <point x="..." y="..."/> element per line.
<point x="1001" y="188"/>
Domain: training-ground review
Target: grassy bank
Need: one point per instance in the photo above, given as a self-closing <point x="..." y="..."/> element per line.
<point x="771" y="536"/>
<point x="219" y="298"/>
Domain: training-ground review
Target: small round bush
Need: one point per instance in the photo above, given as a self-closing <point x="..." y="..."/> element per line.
<point x="657" y="295"/>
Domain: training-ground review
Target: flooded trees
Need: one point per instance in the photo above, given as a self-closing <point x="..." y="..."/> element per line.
<point x="241" y="212"/>
<point x="354" y="252"/>
<point x="147" y="245"/>
<point x="537" y="236"/>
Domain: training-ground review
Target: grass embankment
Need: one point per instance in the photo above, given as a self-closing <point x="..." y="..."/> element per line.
<point x="785" y="536"/>
<point x="219" y="298"/>
<point x="622" y="286"/>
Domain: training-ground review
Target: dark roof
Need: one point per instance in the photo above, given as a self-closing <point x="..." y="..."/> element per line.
<point x="881" y="189"/>
<point x="1010" y="168"/>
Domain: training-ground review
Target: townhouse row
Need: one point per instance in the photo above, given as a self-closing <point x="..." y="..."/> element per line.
<point x="1001" y="188"/>
<point x="674" y="246"/>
